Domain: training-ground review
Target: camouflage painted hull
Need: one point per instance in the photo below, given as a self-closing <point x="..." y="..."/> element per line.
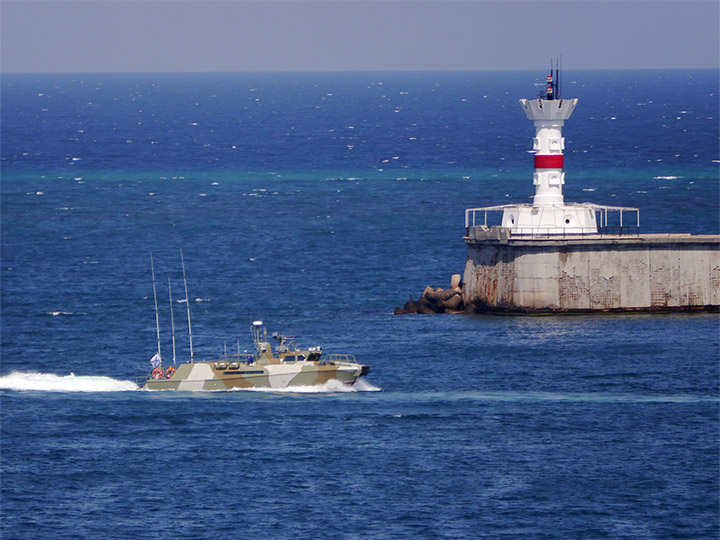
<point x="217" y="376"/>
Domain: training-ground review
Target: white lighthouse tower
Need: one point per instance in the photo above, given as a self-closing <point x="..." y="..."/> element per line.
<point x="549" y="214"/>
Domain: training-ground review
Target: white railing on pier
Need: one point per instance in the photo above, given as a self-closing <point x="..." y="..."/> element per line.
<point x="479" y="216"/>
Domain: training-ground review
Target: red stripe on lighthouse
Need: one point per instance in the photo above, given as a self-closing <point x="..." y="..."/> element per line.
<point x="555" y="161"/>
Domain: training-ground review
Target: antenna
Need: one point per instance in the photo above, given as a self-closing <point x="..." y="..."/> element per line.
<point x="187" y="304"/>
<point x="172" y="318"/>
<point x="559" y="90"/>
<point x="157" y="320"/>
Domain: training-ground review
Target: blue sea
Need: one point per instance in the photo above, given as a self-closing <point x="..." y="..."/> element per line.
<point x="318" y="202"/>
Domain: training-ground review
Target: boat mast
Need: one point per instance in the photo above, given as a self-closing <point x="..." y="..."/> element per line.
<point x="157" y="320"/>
<point x="172" y="319"/>
<point x="187" y="304"/>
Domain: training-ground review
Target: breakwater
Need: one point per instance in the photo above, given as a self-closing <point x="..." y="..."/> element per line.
<point x="588" y="273"/>
<point x="579" y="274"/>
<point x="439" y="300"/>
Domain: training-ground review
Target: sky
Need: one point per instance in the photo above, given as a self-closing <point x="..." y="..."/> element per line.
<point x="354" y="35"/>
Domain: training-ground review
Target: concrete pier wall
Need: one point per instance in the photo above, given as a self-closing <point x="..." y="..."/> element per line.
<point x="592" y="272"/>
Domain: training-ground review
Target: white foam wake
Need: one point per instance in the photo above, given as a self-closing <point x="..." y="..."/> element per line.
<point x="361" y="385"/>
<point x="330" y="387"/>
<point x="49" y="382"/>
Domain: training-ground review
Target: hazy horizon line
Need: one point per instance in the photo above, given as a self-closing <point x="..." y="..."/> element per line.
<point x="326" y="71"/>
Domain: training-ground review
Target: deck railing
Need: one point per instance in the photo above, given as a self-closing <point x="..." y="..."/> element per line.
<point x="609" y="221"/>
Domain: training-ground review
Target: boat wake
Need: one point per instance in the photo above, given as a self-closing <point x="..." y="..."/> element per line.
<point x="49" y="382"/>
<point x="330" y="387"/>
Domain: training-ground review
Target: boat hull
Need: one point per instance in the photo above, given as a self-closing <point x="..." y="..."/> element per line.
<point x="205" y="376"/>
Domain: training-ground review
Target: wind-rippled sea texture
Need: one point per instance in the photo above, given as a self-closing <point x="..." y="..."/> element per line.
<point x="318" y="203"/>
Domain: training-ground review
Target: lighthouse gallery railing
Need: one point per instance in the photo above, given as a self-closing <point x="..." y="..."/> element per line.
<point x="606" y="226"/>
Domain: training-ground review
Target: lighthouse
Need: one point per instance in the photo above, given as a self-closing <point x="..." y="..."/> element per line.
<point x="549" y="214"/>
<point x="553" y="256"/>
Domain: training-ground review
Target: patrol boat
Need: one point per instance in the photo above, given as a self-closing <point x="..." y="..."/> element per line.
<point x="283" y="367"/>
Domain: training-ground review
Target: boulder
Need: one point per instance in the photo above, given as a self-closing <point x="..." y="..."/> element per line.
<point x="410" y="307"/>
<point x="453" y="303"/>
<point x="455" y="281"/>
<point x="431" y="294"/>
<point x="438" y="300"/>
<point x="440" y="295"/>
<point x="434" y="307"/>
<point x="424" y="309"/>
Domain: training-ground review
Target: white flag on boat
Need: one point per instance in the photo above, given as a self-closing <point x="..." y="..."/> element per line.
<point x="156" y="361"/>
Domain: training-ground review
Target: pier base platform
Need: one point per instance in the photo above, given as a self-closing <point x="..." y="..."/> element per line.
<point x="589" y="273"/>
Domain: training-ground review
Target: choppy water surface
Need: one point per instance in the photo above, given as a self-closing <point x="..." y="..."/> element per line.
<point x="317" y="203"/>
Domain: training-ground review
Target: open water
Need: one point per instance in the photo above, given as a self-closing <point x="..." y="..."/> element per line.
<point x="317" y="203"/>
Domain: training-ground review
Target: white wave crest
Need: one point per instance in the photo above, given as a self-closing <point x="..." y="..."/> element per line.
<point x="361" y="385"/>
<point x="330" y="387"/>
<point x="49" y="382"/>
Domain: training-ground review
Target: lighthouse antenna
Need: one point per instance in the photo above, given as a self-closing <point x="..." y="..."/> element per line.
<point x="559" y="89"/>
<point x="557" y="79"/>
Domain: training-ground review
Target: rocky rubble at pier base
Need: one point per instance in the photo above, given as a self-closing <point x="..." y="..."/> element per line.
<point x="439" y="300"/>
